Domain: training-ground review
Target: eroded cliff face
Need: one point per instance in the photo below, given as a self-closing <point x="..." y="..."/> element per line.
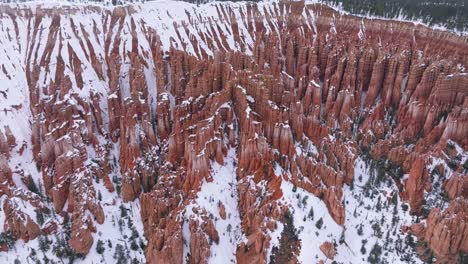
<point x="213" y="122"/>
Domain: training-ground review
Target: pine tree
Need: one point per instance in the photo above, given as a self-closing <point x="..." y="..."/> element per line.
<point x="134" y="245"/>
<point x="123" y="211"/>
<point x="359" y="230"/>
<point x="363" y="247"/>
<point x="319" y="223"/>
<point x="311" y="213"/>
<point x="119" y="254"/>
<point x="44" y="243"/>
<point x="374" y="255"/>
<point x="100" y="247"/>
<point x="39" y="217"/>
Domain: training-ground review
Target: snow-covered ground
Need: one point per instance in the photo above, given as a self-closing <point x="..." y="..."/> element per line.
<point x="373" y="217"/>
<point x="223" y="189"/>
<point x="376" y="209"/>
<point x="122" y="227"/>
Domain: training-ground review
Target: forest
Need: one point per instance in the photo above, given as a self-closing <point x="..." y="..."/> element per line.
<point x="452" y="14"/>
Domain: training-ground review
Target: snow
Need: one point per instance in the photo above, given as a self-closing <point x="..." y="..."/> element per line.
<point x="311" y="237"/>
<point x="361" y="212"/>
<point x="362" y="31"/>
<point x="275" y="237"/>
<point x="222" y="189"/>
<point x="14" y="98"/>
<point x="111" y="232"/>
<point x="315" y="84"/>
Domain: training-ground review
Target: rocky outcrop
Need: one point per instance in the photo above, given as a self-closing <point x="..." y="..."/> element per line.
<point x="445" y="231"/>
<point x="416" y="185"/>
<point x="328" y="249"/>
<point x="457" y="186"/>
<point x="158" y="215"/>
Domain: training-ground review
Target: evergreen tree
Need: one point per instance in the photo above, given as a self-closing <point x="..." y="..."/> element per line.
<point x="119" y="254"/>
<point x="311" y="213"/>
<point x="100" y="247"/>
<point x="7" y="239"/>
<point x="319" y="223"/>
<point x="374" y="255"/>
<point x="44" y="243"/>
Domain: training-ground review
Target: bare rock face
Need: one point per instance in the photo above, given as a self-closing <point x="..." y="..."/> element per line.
<point x="162" y="228"/>
<point x="5" y="176"/>
<point x="328" y="249"/>
<point x="445" y="231"/>
<point x="287" y="93"/>
<point x="416" y="185"/>
<point x="19" y="224"/>
<point x="203" y="233"/>
<point x="457" y="186"/>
